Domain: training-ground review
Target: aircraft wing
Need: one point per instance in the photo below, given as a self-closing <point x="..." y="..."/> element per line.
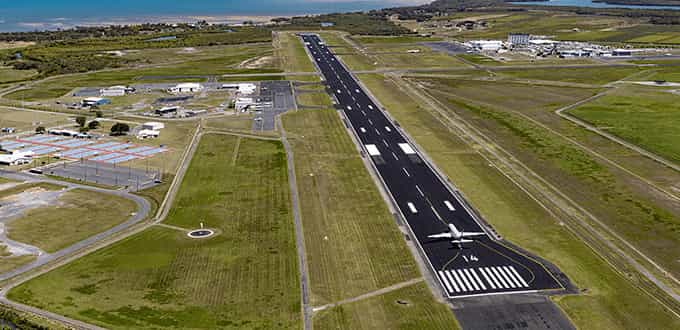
<point x="442" y="235"/>
<point x="472" y="234"/>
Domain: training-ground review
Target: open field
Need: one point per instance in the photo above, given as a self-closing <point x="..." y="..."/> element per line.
<point x="161" y="278"/>
<point x="9" y="263"/>
<point x="406" y="308"/>
<point x="348" y="54"/>
<point x="609" y="301"/>
<point x="352" y="241"/>
<point x="291" y="53"/>
<point x="398" y="56"/>
<point x="240" y="122"/>
<point x="534" y="96"/>
<point x="29" y="120"/>
<point x="8" y="74"/>
<point x="648" y="117"/>
<point x="573" y="75"/>
<point x="632" y="212"/>
<point x="368" y="40"/>
<point x="78" y="215"/>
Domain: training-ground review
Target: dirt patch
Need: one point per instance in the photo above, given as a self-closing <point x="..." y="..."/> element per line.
<point x="257" y="63"/>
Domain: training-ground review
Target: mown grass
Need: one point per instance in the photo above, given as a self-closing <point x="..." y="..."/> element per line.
<point x="632" y="213"/>
<point x="573" y="75"/>
<point x="647" y="117"/>
<point x="393" y="310"/>
<point x="9" y="75"/>
<point x="370" y="40"/>
<point x="245" y="277"/>
<point x="610" y="301"/>
<point x="292" y="54"/>
<point x="352" y="241"/>
<point x="77" y="215"/>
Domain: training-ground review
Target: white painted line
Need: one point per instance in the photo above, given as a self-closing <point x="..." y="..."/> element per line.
<point x="370" y="122"/>
<point x="445" y="281"/>
<point x="364" y="112"/>
<point x="472" y="280"/>
<point x="407" y="173"/>
<point x="420" y="191"/>
<point x="385" y="142"/>
<point x="370" y="107"/>
<point x="406" y="148"/>
<point x="436" y="214"/>
<point x="412" y="208"/>
<point x="493" y="277"/>
<point x="372" y="150"/>
<point x="349" y="107"/>
<point x="469" y="286"/>
<point x="510" y="283"/>
<point x="395" y="156"/>
<point x="449" y="206"/>
<point x="339" y="92"/>
<point x="387" y="128"/>
<point x="377" y="132"/>
<point x="472" y="271"/>
<point x="458" y="280"/>
<point x="505" y="285"/>
<point x="363" y="130"/>
<point x="481" y="270"/>
<point x="453" y="282"/>
<point x="512" y="276"/>
<point x="524" y="283"/>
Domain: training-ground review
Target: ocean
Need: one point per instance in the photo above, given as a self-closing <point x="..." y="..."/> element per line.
<point x="19" y="15"/>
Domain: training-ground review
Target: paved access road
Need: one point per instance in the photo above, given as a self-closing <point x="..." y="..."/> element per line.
<point x="428" y="204"/>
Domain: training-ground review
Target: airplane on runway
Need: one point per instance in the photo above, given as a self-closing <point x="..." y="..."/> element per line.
<point x="458" y="237"/>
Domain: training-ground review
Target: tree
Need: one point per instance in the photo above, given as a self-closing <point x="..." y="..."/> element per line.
<point x="81" y="121"/>
<point x="120" y="129"/>
<point x="40" y="130"/>
<point x="99" y="114"/>
<point x="93" y="124"/>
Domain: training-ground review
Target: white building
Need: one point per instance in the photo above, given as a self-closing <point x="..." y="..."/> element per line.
<point x="244" y="102"/>
<point x="186" y="88"/>
<point x="115" y="91"/>
<point x="16" y="158"/>
<point x="148" y="134"/>
<point x="486" y="45"/>
<point x="243" y="88"/>
<point x="153" y="126"/>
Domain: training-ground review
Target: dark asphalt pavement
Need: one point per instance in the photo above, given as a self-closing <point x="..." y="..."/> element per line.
<point x="485" y="266"/>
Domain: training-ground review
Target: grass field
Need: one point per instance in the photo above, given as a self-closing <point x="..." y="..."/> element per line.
<point x="609" y="302"/>
<point x="8" y="75"/>
<point x="633" y="213"/>
<point x="596" y="76"/>
<point x="393" y="310"/>
<point x="29" y="120"/>
<point x="648" y="117"/>
<point x="78" y="215"/>
<point x="533" y="96"/>
<point x="369" y="40"/>
<point x="352" y="241"/>
<point x="246" y="276"/>
<point x="292" y="54"/>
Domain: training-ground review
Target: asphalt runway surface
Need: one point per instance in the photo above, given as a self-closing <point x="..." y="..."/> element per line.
<point x="483" y="267"/>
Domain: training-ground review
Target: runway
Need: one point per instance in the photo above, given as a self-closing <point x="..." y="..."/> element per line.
<point x="483" y="267"/>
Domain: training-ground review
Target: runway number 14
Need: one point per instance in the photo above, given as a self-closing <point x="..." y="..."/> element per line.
<point x="470" y="258"/>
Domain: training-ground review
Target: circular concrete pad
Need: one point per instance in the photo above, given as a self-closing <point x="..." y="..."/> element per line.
<point x="201" y="233"/>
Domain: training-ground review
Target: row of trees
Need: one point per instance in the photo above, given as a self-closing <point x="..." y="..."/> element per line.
<point x="116" y="130"/>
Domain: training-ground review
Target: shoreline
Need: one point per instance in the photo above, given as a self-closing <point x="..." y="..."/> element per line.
<point x="64" y="24"/>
